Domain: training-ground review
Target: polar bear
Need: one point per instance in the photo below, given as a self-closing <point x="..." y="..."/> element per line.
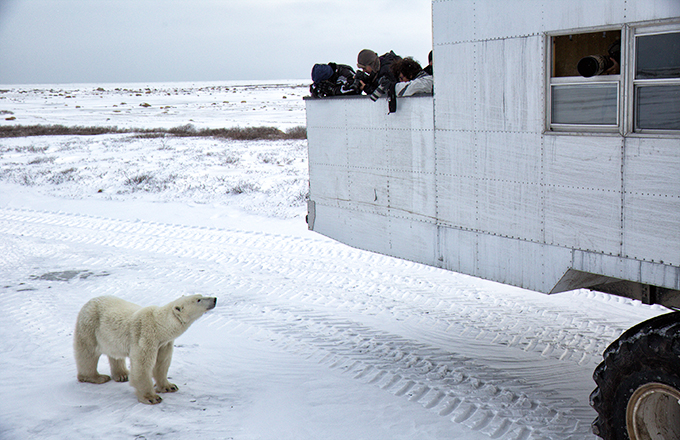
<point x="119" y="329"/>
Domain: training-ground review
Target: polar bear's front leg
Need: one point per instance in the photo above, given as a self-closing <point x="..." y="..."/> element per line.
<point x="160" y="371"/>
<point x="142" y="361"/>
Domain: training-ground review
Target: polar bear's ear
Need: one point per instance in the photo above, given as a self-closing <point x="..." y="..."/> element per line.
<point x="177" y="311"/>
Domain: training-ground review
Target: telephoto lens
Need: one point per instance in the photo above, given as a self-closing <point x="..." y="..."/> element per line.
<point x="383" y="85"/>
<point x="377" y="93"/>
<point x="593" y="65"/>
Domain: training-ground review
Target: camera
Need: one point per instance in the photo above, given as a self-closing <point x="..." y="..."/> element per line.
<point x="594" y="65"/>
<point x="360" y="76"/>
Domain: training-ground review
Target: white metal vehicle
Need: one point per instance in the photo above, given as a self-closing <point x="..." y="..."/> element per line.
<point x="520" y="170"/>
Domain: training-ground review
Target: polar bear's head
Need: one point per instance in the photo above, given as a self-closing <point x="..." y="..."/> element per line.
<point x="189" y="308"/>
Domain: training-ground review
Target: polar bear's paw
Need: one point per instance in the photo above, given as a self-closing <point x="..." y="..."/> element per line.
<point x="167" y="388"/>
<point x="119" y="371"/>
<point x="121" y="376"/>
<point x="150" y="399"/>
<point x="98" y="378"/>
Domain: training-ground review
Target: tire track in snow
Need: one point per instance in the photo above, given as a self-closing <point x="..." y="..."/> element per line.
<point x="316" y="276"/>
<point x="479" y="397"/>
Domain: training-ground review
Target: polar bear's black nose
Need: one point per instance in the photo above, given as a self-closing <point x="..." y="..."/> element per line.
<point x="214" y="303"/>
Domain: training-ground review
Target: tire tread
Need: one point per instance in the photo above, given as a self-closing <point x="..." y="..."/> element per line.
<point x="653" y="345"/>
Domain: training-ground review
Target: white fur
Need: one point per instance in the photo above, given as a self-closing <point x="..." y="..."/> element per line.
<point x="119" y="329"/>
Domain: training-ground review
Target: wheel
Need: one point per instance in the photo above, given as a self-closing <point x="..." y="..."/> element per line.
<point x="638" y="383"/>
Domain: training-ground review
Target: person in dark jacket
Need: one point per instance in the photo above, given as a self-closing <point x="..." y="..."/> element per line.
<point x="377" y="69"/>
<point x="428" y="68"/>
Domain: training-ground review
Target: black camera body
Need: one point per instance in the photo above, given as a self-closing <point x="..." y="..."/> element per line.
<point x="359" y="77"/>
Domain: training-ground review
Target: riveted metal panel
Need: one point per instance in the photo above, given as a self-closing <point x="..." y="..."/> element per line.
<point x="386" y="234"/>
<point x="651" y="228"/>
<point x="413" y="240"/>
<point x="362" y="158"/>
<point x="583" y="192"/>
<point x="456" y="97"/>
<point x="520" y="263"/>
<point x="660" y="275"/>
<point x="652" y="10"/>
<point x="509" y="73"/>
<point x="456" y="186"/>
<point x="458" y="250"/>
<point x="466" y="20"/>
<point x="327" y="150"/>
<point x="652" y="200"/>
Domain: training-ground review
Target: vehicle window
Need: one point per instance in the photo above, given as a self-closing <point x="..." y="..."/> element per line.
<point x="657" y="56"/>
<point x="586" y="104"/>
<point x="585" y="81"/>
<point x="569" y="50"/>
<point x="657" y="82"/>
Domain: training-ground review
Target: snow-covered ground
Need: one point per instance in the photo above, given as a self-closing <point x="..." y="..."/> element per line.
<point x="310" y="339"/>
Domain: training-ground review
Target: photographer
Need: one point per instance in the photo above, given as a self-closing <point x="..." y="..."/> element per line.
<point x="376" y="72"/>
<point x="429" y="67"/>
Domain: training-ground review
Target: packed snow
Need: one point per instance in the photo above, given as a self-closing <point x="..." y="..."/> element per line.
<point x="310" y="339"/>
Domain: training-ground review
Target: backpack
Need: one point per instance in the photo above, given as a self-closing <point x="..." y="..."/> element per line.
<point x="332" y="80"/>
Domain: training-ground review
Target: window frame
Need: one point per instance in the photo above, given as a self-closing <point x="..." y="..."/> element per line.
<point x="551" y="82"/>
<point x="635" y="83"/>
<point x="575" y="81"/>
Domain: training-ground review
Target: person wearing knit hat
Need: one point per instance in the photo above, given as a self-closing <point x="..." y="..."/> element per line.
<point x="377" y="67"/>
<point x="368" y="61"/>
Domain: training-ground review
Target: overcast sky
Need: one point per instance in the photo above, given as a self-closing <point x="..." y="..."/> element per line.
<point x="104" y="41"/>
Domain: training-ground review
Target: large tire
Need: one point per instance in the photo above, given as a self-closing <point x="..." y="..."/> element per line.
<point x="638" y="383"/>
